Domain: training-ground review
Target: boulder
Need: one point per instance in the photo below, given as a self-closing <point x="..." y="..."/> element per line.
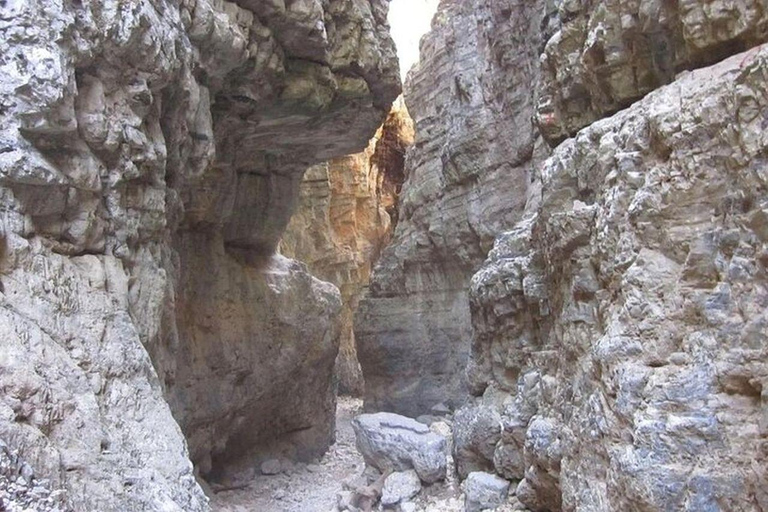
<point x="484" y="491"/>
<point x="389" y="441"/>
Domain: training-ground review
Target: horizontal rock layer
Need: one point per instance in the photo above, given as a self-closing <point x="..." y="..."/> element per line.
<point x="150" y="158"/>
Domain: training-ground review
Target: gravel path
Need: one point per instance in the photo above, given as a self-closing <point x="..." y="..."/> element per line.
<point x="306" y="488"/>
<point x="314" y="487"/>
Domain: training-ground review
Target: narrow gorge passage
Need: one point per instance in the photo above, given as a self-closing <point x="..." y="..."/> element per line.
<point x="290" y="255"/>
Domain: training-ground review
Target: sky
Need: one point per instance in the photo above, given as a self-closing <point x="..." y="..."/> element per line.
<point x="410" y="19"/>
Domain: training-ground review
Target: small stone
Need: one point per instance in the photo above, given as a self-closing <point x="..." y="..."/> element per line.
<point x="279" y="494"/>
<point x="441" y="409"/>
<point x="344" y="500"/>
<point x="371" y="474"/>
<point x="484" y="491"/>
<point x="425" y="419"/>
<point x="271" y="467"/>
<point x="315" y="468"/>
<point x="400" y="486"/>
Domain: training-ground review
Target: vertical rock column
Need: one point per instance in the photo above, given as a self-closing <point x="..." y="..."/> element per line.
<point x="346" y="213"/>
<point x="150" y="157"/>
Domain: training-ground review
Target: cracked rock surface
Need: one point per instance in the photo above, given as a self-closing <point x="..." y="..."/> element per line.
<point x="625" y="315"/>
<point x="150" y="157"/>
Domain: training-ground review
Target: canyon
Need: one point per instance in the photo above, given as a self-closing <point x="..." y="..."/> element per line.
<point x="544" y="269"/>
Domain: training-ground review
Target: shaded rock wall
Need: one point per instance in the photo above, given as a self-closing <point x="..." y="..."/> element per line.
<point x="467" y="177"/>
<point x="150" y="158"/>
<point x="346" y="212"/>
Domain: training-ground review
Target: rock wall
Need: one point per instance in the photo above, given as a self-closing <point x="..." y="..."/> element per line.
<point x="625" y="317"/>
<point x="347" y="210"/>
<point x="150" y="158"/>
<point x="619" y="327"/>
<point x="608" y="54"/>
<point x="615" y="337"/>
<point x="467" y="178"/>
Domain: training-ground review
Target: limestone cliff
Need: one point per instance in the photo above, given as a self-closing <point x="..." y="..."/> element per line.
<point x="346" y="212"/>
<point x="615" y="337"/>
<point x="150" y="157"/>
<point x="621" y="327"/>
<point x="467" y="177"/>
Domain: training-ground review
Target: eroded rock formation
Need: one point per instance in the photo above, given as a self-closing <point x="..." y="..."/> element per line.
<point x="626" y="315"/>
<point x="608" y="54"/>
<point x="346" y="212"/>
<point x="150" y="158"/>
<point x="617" y="340"/>
<point x="467" y="177"/>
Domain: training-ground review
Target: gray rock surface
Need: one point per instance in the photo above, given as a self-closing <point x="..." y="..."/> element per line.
<point x="476" y="431"/>
<point x="271" y="467"/>
<point x="484" y="491"/>
<point x="390" y="442"/>
<point x="607" y="54"/>
<point x="472" y="103"/>
<point x="22" y="491"/>
<point x="625" y="315"/>
<point x="150" y="156"/>
<point x="400" y="486"/>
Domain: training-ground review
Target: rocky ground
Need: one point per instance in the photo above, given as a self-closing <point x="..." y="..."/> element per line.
<point x="317" y="487"/>
<point x="303" y="487"/>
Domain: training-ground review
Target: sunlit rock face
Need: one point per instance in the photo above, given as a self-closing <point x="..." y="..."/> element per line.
<point x="467" y="178"/>
<point x="150" y="157"/>
<point x="345" y="216"/>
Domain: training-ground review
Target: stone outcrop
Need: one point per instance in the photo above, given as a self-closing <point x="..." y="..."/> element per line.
<point x="347" y="209"/>
<point x="625" y="316"/>
<point x="618" y="327"/>
<point x="608" y="54"/>
<point x="467" y="177"/>
<point x="150" y="158"/>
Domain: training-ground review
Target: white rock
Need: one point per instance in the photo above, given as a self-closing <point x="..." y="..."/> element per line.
<point x="400" y="486"/>
<point x="484" y="491"/>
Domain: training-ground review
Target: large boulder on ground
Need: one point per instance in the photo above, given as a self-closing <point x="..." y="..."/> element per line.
<point x="484" y="491"/>
<point x="392" y="442"/>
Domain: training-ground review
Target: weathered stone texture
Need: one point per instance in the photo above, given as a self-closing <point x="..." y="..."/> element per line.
<point x="467" y="175"/>
<point x="346" y="212"/>
<point x="150" y="157"/>
<point x="626" y="315"/>
<point x="610" y="53"/>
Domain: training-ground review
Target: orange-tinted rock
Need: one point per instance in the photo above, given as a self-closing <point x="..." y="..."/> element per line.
<point x="346" y="212"/>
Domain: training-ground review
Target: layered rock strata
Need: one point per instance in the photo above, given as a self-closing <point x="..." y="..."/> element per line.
<point x="150" y="158"/>
<point x="467" y="176"/>
<point x="345" y="216"/>
<point x="625" y="316"/>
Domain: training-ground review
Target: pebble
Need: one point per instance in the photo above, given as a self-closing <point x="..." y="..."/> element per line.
<point x="271" y="467"/>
